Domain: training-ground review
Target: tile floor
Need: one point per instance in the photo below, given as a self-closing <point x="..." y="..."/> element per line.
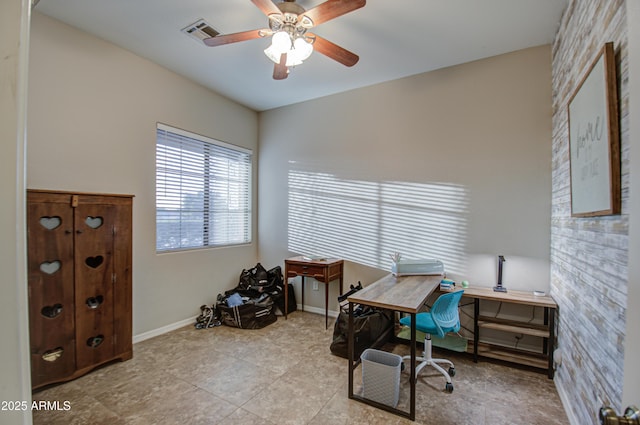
<point x="284" y="374"/>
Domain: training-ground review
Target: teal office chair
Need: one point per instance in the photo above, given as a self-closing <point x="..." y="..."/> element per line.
<point x="441" y="319"/>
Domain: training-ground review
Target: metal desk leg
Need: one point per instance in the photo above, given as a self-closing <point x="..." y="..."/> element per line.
<point x="411" y="414"/>
<point x="412" y="378"/>
<point x="286" y="291"/>
<point x="476" y="329"/>
<point x="545" y="341"/>
<point x="552" y="340"/>
<point x="351" y="349"/>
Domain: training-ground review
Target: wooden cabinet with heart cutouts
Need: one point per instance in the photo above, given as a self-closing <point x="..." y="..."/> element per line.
<point x="80" y="275"/>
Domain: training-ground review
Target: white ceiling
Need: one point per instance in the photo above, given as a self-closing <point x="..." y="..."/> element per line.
<point x="394" y="39"/>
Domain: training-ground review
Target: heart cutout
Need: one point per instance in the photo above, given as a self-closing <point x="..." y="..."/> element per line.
<point x="50" y="267"/>
<point x="52" y="355"/>
<point x="50" y="223"/>
<point x="93" y="222"/>
<point x="94" y="302"/>
<point x="95" y="341"/>
<point x="94" y="262"/>
<point x="51" y="311"/>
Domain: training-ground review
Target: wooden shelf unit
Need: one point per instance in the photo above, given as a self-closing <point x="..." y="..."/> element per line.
<point x="512" y="355"/>
<point x="513" y="326"/>
<point x="546" y="331"/>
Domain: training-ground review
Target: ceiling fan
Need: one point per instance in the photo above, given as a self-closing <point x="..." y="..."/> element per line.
<point x="288" y="26"/>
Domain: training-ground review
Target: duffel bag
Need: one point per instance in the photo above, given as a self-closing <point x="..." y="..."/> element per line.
<point x="255" y="279"/>
<point x="291" y="298"/>
<point x="367" y="328"/>
<point x="252" y="314"/>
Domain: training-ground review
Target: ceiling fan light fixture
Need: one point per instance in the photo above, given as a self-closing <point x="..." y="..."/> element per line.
<point x="272" y="54"/>
<point x="281" y="42"/>
<point x="292" y="61"/>
<point x="296" y="54"/>
<point x="288" y="26"/>
<point x="302" y="49"/>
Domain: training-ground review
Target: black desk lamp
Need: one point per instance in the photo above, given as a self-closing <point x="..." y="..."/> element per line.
<point x="499" y="287"/>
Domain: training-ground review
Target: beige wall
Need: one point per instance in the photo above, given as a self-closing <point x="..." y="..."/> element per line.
<point x="453" y="164"/>
<point x="15" y="383"/>
<point x="93" y="109"/>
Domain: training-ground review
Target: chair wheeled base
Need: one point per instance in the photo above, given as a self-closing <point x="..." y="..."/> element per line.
<point x="440" y="320"/>
<point x="428" y="360"/>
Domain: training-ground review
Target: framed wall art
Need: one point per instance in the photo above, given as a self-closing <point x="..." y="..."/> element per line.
<point x="594" y="141"/>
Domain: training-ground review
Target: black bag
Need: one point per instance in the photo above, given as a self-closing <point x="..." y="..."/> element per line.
<point x="258" y="289"/>
<point x="252" y="314"/>
<point x="255" y="279"/>
<point x="276" y="281"/>
<point x="274" y="278"/>
<point x="367" y="329"/>
<point x="369" y="324"/>
<point x="279" y="299"/>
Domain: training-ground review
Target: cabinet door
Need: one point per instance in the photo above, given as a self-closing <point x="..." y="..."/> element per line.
<point x="122" y="267"/>
<point x="51" y="287"/>
<point x="94" y="245"/>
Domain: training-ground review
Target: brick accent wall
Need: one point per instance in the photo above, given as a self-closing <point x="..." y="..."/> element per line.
<point x="588" y="255"/>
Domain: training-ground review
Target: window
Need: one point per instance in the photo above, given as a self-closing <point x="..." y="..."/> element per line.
<point x="203" y="191"/>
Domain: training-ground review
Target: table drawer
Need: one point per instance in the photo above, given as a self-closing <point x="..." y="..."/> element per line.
<point x="305" y="270"/>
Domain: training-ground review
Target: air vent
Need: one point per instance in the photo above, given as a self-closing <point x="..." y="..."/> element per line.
<point x="200" y="30"/>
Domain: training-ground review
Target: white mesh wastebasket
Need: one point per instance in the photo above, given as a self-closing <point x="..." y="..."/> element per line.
<point x="381" y="376"/>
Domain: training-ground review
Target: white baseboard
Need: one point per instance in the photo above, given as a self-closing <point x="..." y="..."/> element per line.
<point x="317" y="310"/>
<point x="163" y="330"/>
<point x="566" y="402"/>
<point x="173" y="326"/>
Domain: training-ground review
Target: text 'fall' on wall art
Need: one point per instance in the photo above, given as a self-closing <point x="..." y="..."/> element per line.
<point x="594" y="143"/>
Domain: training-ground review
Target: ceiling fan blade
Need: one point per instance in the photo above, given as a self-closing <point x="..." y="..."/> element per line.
<point x="332" y="9"/>
<point x="280" y="71"/>
<point x="219" y="40"/>
<point x="267" y="6"/>
<point x="333" y="51"/>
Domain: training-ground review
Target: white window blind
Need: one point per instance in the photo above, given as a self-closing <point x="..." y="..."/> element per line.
<point x="203" y="191"/>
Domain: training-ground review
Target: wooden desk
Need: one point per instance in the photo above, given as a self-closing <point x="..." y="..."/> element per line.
<point x="322" y="270"/>
<point x="546" y="330"/>
<point x="405" y="294"/>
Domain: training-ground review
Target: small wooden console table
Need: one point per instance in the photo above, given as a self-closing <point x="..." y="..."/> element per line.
<point x="321" y="270"/>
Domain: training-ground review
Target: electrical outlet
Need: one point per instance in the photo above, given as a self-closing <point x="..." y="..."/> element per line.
<point x="315" y="285"/>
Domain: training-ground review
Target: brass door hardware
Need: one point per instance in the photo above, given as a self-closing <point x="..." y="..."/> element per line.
<point x="608" y="416"/>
